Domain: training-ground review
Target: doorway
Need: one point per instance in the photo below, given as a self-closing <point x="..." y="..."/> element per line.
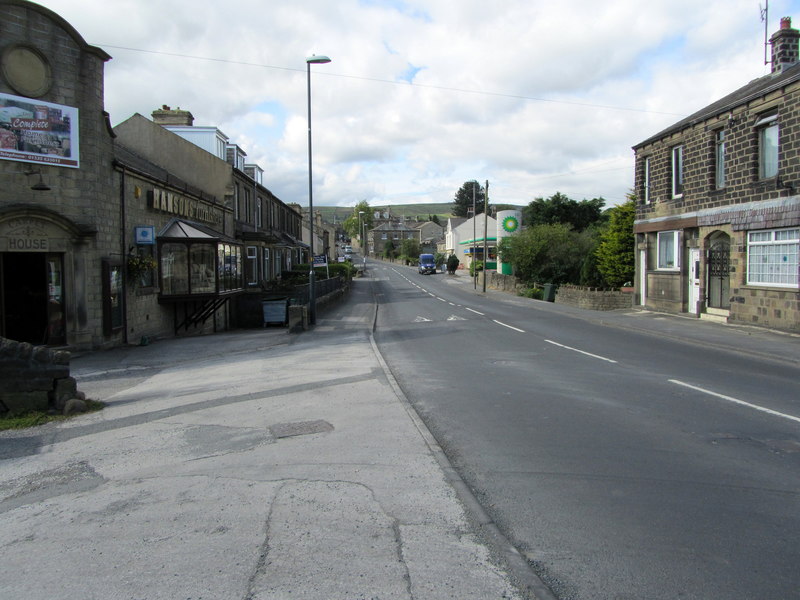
<point x="32" y="298"/>
<point x="718" y="264"/>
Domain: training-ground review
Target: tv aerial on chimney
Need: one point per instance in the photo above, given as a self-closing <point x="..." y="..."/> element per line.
<point x="765" y="20"/>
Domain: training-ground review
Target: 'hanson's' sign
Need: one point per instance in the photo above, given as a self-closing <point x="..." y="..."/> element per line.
<point x="176" y="204"/>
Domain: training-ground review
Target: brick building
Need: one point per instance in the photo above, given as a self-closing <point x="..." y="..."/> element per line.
<point x="718" y="214"/>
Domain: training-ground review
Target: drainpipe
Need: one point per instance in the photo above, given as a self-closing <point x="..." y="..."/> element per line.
<point x="124" y="252"/>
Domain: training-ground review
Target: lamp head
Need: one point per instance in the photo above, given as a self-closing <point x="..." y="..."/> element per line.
<point x="317" y="60"/>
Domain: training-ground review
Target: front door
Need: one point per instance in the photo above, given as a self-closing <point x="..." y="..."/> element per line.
<point x="694" y="281"/>
<point x="719" y="274"/>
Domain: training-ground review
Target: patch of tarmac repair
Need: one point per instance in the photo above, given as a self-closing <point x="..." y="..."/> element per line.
<point x="284" y="430"/>
<point x="37" y="487"/>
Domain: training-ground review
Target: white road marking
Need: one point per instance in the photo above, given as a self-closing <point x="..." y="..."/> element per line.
<point x="580" y="351"/>
<point x="421" y="320"/>
<point x="736" y="401"/>
<point x="455" y="318"/>
<point x="509" y="326"/>
<point x="475" y="311"/>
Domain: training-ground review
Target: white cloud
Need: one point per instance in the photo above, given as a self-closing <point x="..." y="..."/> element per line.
<point x="512" y="91"/>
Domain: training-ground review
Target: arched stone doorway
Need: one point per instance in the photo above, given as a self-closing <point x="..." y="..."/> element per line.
<point x="718" y="262"/>
<point x="42" y="290"/>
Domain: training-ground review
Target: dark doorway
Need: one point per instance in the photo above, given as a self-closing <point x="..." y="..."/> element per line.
<point x="32" y="303"/>
<point x="719" y="272"/>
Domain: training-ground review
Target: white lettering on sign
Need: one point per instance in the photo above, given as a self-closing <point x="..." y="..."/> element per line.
<point x="180" y="205"/>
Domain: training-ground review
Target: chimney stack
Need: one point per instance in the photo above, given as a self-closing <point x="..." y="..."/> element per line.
<point x="166" y="116"/>
<point x="785" y="52"/>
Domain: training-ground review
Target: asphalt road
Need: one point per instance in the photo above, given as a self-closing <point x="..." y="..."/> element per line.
<point x="622" y="464"/>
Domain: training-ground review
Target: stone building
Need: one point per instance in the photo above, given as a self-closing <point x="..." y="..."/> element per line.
<point x="59" y="209"/>
<point x="718" y="216"/>
<point x="110" y="237"/>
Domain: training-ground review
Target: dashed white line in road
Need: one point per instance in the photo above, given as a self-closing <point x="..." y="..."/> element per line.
<point x="509" y="326"/>
<point x="581" y="351"/>
<point x="475" y="311"/>
<point x="736" y="401"/>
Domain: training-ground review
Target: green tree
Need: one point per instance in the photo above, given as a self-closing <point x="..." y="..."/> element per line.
<point x="462" y="202"/>
<point x="409" y="250"/>
<point x="352" y="223"/>
<point x="558" y="208"/>
<point x="616" y="252"/>
<point x="389" y="250"/>
<point x="547" y="253"/>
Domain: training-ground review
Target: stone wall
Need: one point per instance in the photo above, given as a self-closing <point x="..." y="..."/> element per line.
<point x="505" y="283"/>
<point x="35" y="378"/>
<point x="593" y="299"/>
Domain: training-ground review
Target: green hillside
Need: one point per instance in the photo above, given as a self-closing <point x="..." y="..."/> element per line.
<point x="421" y="211"/>
<point x="442" y="210"/>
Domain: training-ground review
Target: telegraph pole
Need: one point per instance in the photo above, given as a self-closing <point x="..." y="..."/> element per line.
<point x="485" y="227"/>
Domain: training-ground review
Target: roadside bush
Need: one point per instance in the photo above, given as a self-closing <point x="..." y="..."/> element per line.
<point x="532" y="292"/>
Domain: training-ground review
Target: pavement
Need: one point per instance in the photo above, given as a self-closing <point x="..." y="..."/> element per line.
<point x="259" y="464"/>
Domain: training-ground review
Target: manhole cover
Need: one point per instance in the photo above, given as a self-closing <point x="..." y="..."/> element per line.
<point x="283" y="430"/>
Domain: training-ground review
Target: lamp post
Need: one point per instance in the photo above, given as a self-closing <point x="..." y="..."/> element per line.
<point x="361" y="230"/>
<point x="312" y="301"/>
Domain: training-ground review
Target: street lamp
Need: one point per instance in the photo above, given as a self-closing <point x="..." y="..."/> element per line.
<point x="361" y="229"/>
<point x="312" y="301"/>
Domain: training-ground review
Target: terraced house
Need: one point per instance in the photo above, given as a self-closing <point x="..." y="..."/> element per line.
<point x="718" y="216"/>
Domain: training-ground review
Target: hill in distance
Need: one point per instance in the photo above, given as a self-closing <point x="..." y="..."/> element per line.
<point x="410" y="211"/>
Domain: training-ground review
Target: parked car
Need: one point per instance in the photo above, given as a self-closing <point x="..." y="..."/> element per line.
<point x="427" y="265"/>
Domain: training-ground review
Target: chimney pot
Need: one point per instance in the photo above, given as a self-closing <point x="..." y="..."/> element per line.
<point x="785" y="46"/>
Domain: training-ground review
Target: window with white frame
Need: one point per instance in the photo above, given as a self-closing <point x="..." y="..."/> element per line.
<point x="772" y="257"/>
<point x="719" y="160"/>
<point x="646" y="191"/>
<point x="267" y="265"/>
<point x="767" y="147"/>
<point x="251" y="271"/>
<point x="677" y="171"/>
<point x="668" y="250"/>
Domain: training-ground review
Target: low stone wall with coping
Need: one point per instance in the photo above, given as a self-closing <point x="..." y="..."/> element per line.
<point x="594" y="298"/>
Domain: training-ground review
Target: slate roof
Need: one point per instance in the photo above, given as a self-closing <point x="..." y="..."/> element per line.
<point x="755" y="89"/>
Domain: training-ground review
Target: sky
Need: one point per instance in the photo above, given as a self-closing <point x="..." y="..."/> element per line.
<point x="535" y="97"/>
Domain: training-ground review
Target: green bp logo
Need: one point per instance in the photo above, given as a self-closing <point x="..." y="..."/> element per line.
<point x="510" y="224"/>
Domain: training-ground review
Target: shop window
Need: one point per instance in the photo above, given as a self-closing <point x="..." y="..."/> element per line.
<point x="174" y="269"/>
<point x="201" y="261"/>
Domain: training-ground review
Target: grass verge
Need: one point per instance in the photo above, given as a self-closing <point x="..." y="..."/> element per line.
<point x="36" y="418"/>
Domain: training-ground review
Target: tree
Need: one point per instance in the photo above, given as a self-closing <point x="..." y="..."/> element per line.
<point x="434" y="218"/>
<point x="352" y="223"/>
<point x="558" y="208"/>
<point x="547" y="253"/>
<point x="462" y="202"/>
<point x="616" y="253"/>
<point x="388" y="250"/>
<point x="409" y="250"/>
<point x="452" y="264"/>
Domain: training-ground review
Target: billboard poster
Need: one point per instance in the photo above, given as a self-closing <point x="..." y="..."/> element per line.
<point x="38" y="132"/>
